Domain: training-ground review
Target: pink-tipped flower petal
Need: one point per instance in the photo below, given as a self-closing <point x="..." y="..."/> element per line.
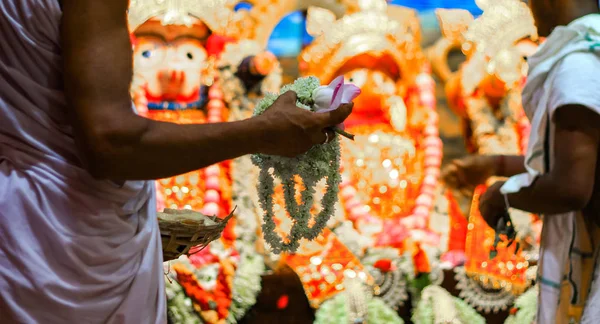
<point x="350" y="93"/>
<point x="338" y="92"/>
<point x="329" y="98"/>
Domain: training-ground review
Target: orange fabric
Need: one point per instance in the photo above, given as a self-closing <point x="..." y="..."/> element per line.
<point x="508" y="267"/>
<point x="322" y="280"/>
<point x="458" y="225"/>
<point x="420" y="260"/>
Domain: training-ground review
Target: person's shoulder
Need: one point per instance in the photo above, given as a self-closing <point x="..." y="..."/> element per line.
<point x="579" y="63"/>
<point x="576" y="81"/>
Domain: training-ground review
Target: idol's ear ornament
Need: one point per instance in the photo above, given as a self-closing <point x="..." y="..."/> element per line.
<point x="453" y="24"/>
<point x="318" y="19"/>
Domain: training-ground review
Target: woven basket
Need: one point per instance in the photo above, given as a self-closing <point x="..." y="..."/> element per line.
<point x="181" y="230"/>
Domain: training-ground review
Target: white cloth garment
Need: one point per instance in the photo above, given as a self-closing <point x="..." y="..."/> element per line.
<point x="565" y="71"/>
<point x="72" y="249"/>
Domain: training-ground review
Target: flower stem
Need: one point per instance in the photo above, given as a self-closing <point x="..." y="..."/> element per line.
<point x="344" y="133"/>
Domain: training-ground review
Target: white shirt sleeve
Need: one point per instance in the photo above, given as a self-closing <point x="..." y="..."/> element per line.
<point x="577" y="82"/>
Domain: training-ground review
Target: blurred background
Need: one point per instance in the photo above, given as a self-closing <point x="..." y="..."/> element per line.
<point x="290" y="36"/>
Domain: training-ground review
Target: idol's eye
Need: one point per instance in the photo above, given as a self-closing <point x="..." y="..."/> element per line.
<point x="191" y="53"/>
<point x="357" y="77"/>
<point x="146" y="54"/>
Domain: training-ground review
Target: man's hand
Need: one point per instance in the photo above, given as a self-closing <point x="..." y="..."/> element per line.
<point x="492" y="205"/>
<point x="467" y="173"/>
<point x="290" y="131"/>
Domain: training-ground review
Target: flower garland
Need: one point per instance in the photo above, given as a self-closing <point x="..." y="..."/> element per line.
<point x="358" y="210"/>
<point x="212" y="305"/>
<point x="213" y="193"/>
<point x="525" y="308"/>
<point x="437" y="306"/>
<point x="246" y="285"/>
<point x="506" y="132"/>
<point x="336" y="310"/>
<point x="185" y="294"/>
<point x="320" y="162"/>
<point x="179" y="306"/>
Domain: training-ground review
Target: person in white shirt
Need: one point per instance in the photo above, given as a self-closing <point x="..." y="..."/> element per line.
<point x="560" y="175"/>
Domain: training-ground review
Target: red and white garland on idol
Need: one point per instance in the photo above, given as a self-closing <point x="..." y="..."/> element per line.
<point x="395" y="231"/>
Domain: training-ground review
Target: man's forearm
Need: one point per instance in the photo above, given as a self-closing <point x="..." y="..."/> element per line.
<point x="508" y="165"/>
<point x="152" y="149"/>
<point x="546" y="195"/>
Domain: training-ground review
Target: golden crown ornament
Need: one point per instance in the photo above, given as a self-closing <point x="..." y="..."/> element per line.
<point x="376" y="30"/>
<point x="216" y="14"/>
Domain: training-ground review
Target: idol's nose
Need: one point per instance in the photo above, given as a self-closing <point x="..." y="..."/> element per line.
<point x="171" y="82"/>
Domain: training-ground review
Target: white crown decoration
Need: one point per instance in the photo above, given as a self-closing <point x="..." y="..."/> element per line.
<point x="501" y="25"/>
<point x="375" y="29"/>
<point x="216" y="14"/>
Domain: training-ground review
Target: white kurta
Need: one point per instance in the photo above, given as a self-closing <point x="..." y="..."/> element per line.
<point x="72" y="249"/>
<point x="565" y="71"/>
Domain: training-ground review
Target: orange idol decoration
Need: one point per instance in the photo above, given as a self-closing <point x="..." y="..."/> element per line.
<point x="391" y="170"/>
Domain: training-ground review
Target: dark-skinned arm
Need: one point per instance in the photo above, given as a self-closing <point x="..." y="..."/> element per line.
<point x="570" y="183"/>
<point x="507" y="165"/>
<point x="117" y="144"/>
<point x="468" y="172"/>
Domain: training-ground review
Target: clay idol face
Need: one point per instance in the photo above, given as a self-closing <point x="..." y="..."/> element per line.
<point x="170" y="58"/>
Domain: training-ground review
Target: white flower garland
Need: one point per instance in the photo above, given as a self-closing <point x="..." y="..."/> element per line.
<point x="336" y="310"/>
<point x="320" y="162"/>
<point x="526" y="306"/>
<point x="246" y="284"/>
<point x="437" y="306"/>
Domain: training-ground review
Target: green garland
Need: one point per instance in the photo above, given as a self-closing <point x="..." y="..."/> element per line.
<point x="335" y="310"/>
<point x="320" y="162"/>
<point x="246" y="286"/>
<point x="179" y="306"/>
<point x="437" y="300"/>
<point x="526" y="306"/>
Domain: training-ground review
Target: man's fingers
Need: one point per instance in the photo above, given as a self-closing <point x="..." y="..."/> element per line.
<point x="449" y="174"/>
<point x="323" y="137"/>
<point x="337" y="116"/>
<point x="466" y="191"/>
<point x="460" y="163"/>
<point x="289" y="97"/>
<point x="329" y="135"/>
<point x="449" y="170"/>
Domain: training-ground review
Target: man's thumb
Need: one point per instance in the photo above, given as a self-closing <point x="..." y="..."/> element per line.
<point x="289" y="97"/>
<point x="339" y="115"/>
